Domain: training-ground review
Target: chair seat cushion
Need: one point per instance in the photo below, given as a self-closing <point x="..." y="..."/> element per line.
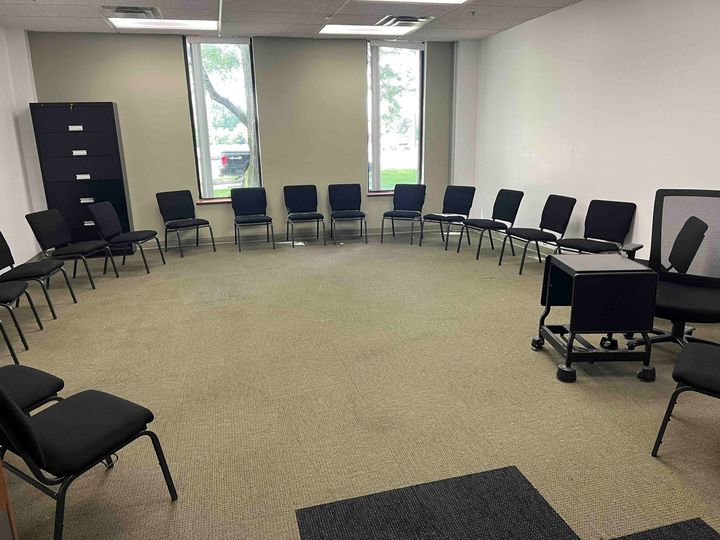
<point x="133" y="236"/>
<point x="305" y="216"/>
<point x="452" y="218"/>
<point x="348" y="214"/>
<point x="590" y="246"/>
<point x="10" y="290"/>
<point x="401" y="214"/>
<point x="186" y="223"/>
<point x="81" y="248"/>
<point x="490" y="224"/>
<point x="698" y="364"/>
<point x="532" y="234"/>
<point x="685" y="303"/>
<point x="30" y="270"/>
<point x="27" y="386"/>
<point x="249" y="220"/>
<point x="84" y="428"/>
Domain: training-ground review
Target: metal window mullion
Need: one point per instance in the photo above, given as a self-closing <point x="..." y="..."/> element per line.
<point x="203" y="138"/>
<point x="375" y="106"/>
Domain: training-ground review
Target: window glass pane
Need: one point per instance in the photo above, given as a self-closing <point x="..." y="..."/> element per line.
<point x="224" y="117"/>
<point x="396" y="116"/>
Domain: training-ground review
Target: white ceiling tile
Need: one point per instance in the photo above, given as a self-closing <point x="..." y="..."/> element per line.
<point x="527" y="3"/>
<point x="47" y="10"/>
<point x="271" y="17"/>
<point x="56" y="24"/>
<point x="391" y="8"/>
<point x="44" y="2"/>
<point x="281" y="30"/>
<point x="326" y="7"/>
<point x="190" y="14"/>
<point x="162" y="4"/>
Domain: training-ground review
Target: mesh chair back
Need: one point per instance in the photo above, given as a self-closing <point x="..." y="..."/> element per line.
<point x="249" y="201"/>
<point x="345" y="197"/>
<point x="6" y="257"/>
<point x="49" y="228"/>
<point x="300" y="198"/>
<point x="556" y="213"/>
<point x="685" y="245"/>
<point x="609" y="220"/>
<point x="507" y="204"/>
<point x="16" y="433"/>
<point x="106" y="219"/>
<point x="176" y="205"/>
<point x="409" y="197"/>
<point x="458" y="200"/>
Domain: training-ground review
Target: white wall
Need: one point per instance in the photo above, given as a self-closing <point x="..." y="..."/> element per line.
<point x="602" y="99"/>
<point x="464" y="164"/>
<point x="20" y="185"/>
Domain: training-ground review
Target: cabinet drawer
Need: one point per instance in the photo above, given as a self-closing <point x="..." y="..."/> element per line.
<point x="72" y="118"/>
<point x="81" y="168"/>
<point x="84" y="193"/>
<point x="99" y="143"/>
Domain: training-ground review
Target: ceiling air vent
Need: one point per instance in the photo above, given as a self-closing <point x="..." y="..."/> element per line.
<point x="131" y="12"/>
<point x="403" y="21"/>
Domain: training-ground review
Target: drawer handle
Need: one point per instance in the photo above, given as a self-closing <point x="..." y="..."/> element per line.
<point x="82" y="176"/>
<point x="87" y="200"/>
<point x="76" y="127"/>
<point x="79" y="152"/>
<point x="88" y="223"/>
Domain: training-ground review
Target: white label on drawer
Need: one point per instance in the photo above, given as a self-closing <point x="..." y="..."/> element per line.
<point x="88" y="223"/>
<point x="75" y="128"/>
<point x="82" y="177"/>
<point x="79" y="152"/>
<point x="86" y="200"/>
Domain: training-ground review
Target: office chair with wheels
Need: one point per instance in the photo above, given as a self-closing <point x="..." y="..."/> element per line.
<point x="457" y="203"/>
<point x="408" y="200"/>
<point x="250" y="208"/>
<point x="505" y="209"/>
<point x="345" y="205"/>
<point x="301" y="202"/>
<point x="178" y="212"/>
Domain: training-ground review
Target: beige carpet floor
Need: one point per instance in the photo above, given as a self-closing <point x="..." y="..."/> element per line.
<point x="288" y="378"/>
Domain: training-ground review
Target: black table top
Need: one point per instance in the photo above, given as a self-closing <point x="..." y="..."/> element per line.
<point x="605" y="262"/>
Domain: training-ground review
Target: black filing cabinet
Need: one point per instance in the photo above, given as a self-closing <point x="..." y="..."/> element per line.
<point x="81" y="160"/>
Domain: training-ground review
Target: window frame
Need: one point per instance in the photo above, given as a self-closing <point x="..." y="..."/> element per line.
<point x="375" y="180"/>
<point x="187" y="52"/>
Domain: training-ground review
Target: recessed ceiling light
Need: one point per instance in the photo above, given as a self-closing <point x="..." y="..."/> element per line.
<point x="367" y="29"/>
<point x="163" y="24"/>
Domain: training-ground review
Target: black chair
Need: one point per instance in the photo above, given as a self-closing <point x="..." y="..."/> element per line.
<point x="555" y="217"/>
<point x="688" y="267"/>
<point x="301" y="202"/>
<point x="28" y="387"/>
<point x="345" y="205"/>
<point x="62" y="442"/>
<point x="178" y="211"/>
<point x="607" y="224"/>
<point x="250" y="207"/>
<point x="408" y="200"/>
<point x="457" y="203"/>
<point x="10" y="293"/>
<point x="696" y="370"/>
<point x="505" y="209"/>
<point x="38" y="271"/>
<point x="108" y="225"/>
<point x="53" y="235"/>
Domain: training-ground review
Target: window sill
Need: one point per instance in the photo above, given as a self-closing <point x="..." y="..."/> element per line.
<point x="387" y="193"/>
<point x="224" y="200"/>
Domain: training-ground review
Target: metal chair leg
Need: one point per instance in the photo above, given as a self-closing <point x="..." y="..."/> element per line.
<point x="47" y="297"/>
<point x="8" y="343"/>
<point x="447" y="236"/>
<point x="363" y="222"/>
<point x="422" y="221"/>
<point x="166" y="231"/>
<point x="177" y="231"/>
<point x="17" y="326"/>
<point x="467" y="231"/>
<point x="292" y="231"/>
<point x="212" y="238"/>
<point x="105" y="265"/>
<point x="272" y="232"/>
<point x="35" y="313"/>
<point x="382" y="230"/>
<point x="287" y="231"/>
<point x="492" y="244"/>
<point x="412" y="230"/>
<point x="75" y="268"/>
<point x="462" y="232"/>
<point x="666" y="419"/>
<point x="502" y="251"/>
<point x="69" y="285"/>
<point x="537" y="247"/>
<point x="317" y="229"/>
<point x="332" y="232"/>
<point x="197" y="236"/>
<point x="60" y="507"/>
<point x="512" y="247"/>
<point x="162" y="255"/>
<point x="237" y="238"/>
<point x="392" y="221"/>
<point x="163" y="464"/>
<point x="324" y="239"/>
<point x="442" y="232"/>
<point x="112" y="260"/>
<point x="87" y="270"/>
<point x="477" y="254"/>
<point x="267" y="232"/>
<point x="522" y="261"/>
<point x="147" y="269"/>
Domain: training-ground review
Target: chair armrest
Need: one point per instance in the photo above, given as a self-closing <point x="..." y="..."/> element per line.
<point x="631" y="249"/>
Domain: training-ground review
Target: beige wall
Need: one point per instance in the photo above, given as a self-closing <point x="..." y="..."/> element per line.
<point x="311" y="106"/>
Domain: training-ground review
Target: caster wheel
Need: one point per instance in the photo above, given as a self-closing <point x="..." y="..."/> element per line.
<point x="647" y="374"/>
<point x="630" y="346"/>
<point x="609" y="344"/>
<point x="566" y="374"/>
<point x="629" y="335"/>
<point x="537" y="343"/>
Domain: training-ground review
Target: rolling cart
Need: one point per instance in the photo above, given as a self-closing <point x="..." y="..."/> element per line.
<point x="607" y="294"/>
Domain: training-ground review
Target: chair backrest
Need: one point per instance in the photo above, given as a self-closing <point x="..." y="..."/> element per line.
<point x="176" y="205"/>
<point x="345" y="197"/>
<point x="409" y="197"/>
<point x="507" y="204"/>
<point x="685" y="245"/>
<point x="106" y="219"/>
<point x="6" y="257"/>
<point x="49" y="228"/>
<point x="609" y="220"/>
<point x="302" y="198"/>
<point x="249" y="201"/>
<point x="16" y="433"/>
<point x="458" y="200"/>
<point x="556" y="213"/>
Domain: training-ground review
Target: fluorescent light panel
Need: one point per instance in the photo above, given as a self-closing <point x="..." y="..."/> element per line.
<point x="421" y="1"/>
<point x="369" y="29"/>
<point x="162" y="24"/>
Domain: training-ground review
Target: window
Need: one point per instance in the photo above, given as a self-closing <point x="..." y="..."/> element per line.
<point x="395" y="105"/>
<point x="220" y="78"/>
